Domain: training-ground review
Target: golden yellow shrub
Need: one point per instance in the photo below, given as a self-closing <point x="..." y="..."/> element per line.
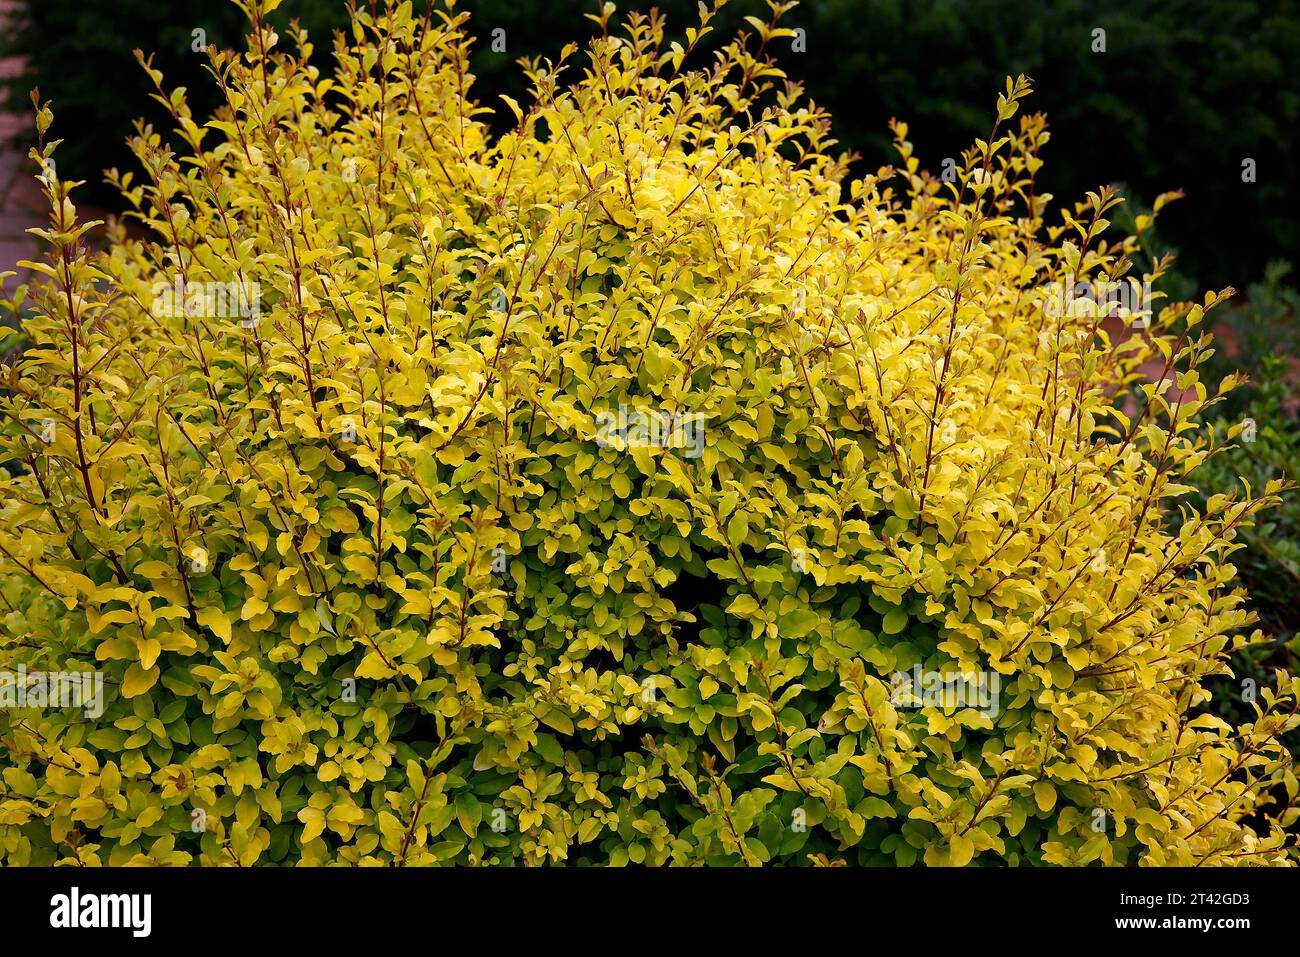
<point x="629" y="487"/>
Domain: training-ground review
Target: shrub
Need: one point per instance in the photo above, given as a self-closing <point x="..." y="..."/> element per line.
<point x="1269" y="564"/>
<point x="596" y="493"/>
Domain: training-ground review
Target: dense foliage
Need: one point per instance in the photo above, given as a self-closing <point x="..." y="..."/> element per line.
<point x="1263" y="336"/>
<point x="582" y="494"/>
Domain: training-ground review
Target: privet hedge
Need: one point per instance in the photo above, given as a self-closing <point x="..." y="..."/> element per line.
<point x="609" y="492"/>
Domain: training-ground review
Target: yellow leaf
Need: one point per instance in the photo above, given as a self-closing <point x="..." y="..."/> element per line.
<point x="138" y="680"/>
<point x="1045" y="795"/>
<point x="215" y="619"/>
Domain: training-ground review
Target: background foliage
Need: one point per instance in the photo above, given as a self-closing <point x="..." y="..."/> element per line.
<point x="1185" y="90"/>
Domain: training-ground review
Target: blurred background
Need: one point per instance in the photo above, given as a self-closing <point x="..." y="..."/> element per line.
<point x="1148" y="95"/>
